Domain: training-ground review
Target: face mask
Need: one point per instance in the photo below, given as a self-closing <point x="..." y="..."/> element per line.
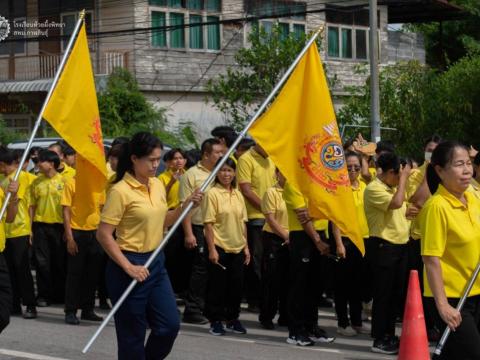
<point x="428" y="156"/>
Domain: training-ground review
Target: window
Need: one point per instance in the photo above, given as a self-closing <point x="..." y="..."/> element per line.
<point x="180" y="13"/>
<point x="345" y="42"/>
<point x="290" y="9"/>
<point x="286" y="27"/>
<point x="70" y="20"/>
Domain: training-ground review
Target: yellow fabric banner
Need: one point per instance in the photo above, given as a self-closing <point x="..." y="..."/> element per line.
<point x="299" y="132"/>
<point x="73" y="113"/>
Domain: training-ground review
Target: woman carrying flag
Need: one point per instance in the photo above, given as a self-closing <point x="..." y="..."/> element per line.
<point x="136" y="209"/>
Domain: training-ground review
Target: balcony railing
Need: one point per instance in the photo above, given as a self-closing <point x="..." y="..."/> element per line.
<point x="35" y="67"/>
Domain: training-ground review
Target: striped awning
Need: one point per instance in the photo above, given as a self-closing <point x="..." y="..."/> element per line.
<point x="7" y="87"/>
<point x="43" y="85"/>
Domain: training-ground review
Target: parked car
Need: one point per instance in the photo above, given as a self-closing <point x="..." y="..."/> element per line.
<point x="46" y="142"/>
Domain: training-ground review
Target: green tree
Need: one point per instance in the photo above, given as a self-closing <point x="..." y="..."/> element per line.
<point x="403" y="88"/>
<point x="449" y="41"/>
<point x="124" y="110"/>
<point x="257" y="69"/>
<point x="7" y="135"/>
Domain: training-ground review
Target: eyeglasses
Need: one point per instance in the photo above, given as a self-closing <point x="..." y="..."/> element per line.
<point x="353" y="168"/>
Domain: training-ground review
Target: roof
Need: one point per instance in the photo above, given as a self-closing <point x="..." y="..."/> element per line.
<point x="417" y="11"/>
<point x="43" y="85"/>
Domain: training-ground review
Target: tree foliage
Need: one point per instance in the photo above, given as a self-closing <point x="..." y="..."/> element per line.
<point x="257" y="69"/>
<point x="124" y="110"/>
<point x="419" y="101"/>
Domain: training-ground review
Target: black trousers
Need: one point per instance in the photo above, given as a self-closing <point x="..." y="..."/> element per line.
<point x="390" y="278"/>
<point x="348" y="286"/>
<point x="464" y="342"/>
<point x="178" y="262"/>
<point x="224" y="292"/>
<point x="83" y="272"/>
<point x="304" y="278"/>
<point x="50" y="254"/>
<point x="274" y="272"/>
<point x="5" y="294"/>
<point x="371" y="246"/>
<point x="18" y="261"/>
<point x="253" y="272"/>
<point x="197" y="287"/>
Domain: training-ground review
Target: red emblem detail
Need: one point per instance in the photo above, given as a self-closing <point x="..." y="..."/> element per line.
<point x="96" y="136"/>
<point x="324" y="161"/>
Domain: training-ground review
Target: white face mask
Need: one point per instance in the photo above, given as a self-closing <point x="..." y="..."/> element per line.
<point x="428" y="156"/>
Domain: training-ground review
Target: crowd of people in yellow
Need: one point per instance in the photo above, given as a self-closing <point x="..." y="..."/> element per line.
<point x="248" y="236"/>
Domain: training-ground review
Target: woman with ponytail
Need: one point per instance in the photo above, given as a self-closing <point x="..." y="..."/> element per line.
<point x="136" y="209"/>
<point x="450" y="244"/>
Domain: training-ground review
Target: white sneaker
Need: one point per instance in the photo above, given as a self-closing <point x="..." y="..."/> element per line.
<point x="348" y="331"/>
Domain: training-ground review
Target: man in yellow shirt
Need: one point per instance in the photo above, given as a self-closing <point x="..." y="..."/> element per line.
<point x="18" y="238"/>
<point x="211" y="151"/>
<point x="84" y="256"/>
<point x="48" y="246"/>
<point x="307" y="241"/>
<point x="64" y="169"/>
<point x="255" y="174"/>
<point x="385" y="208"/>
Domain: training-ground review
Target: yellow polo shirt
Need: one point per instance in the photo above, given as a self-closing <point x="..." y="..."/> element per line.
<point x="226" y="211"/>
<point x="389" y="225"/>
<point x="173" y="199"/>
<point x="273" y="203"/>
<point x="2" y="223"/>
<point x="137" y="213"/>
<point x="451" y="232"/>
<point x="414" y="181"/>
<point x="46" y="195"/>
<point x="21" y="225"/>
<point x="92" y="220"/>
<point x="189" y="182"/>
<point x="358" y="194"/>
<point x="110" y="171"/>
<point x="474" y="188"/>
<point x="259" y="172"/>
<point x="295" y="200"/>
<point x="110" y="181"/>
<point x="68" y="172"/>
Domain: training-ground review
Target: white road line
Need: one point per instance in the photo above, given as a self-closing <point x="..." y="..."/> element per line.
<point x="239" y="340"/>
<point x="27" y="355"/>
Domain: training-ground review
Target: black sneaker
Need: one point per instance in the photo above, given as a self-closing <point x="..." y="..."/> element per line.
<point x="300" y="340"/>
<point x="384" y="346"/>
<point x="217" y="329"/>
<point x="319" y="335"/>
<point x="195" y="319"/>
<point x="71" y="319"/>
<point x="236" y="327"/>
<point x="90" y="316"/>
<point x="30" y="312"/>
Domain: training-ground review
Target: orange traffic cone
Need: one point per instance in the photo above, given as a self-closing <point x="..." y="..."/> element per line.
<point x="414" y="342"/>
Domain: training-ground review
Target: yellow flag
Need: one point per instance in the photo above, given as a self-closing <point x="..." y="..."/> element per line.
<point x="73" y="113"/>
<point x="300" y="133"/>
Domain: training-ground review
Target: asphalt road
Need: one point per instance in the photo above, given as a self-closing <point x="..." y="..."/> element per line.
<point x="49" y="338"/>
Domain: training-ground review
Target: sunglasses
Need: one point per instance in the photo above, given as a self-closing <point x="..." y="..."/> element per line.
<point x="353" y="168"/>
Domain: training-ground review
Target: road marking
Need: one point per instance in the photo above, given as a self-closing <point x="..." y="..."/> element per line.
<point x="27" y="355"/>
<point x="239" y="340"/>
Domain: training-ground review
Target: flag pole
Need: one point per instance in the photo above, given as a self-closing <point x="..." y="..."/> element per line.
<point x="204" y="186"/>
<point x="45" y="103"/>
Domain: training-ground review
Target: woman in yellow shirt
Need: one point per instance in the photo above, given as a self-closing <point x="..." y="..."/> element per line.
<point x="450" y="241"/>
<point x="224" y="216"/>
<point x="136" y="209"/>
<point x="275" y="256"/>
<point x="348" y="271"/>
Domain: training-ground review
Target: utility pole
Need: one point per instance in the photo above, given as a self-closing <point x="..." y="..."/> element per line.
<point x="374" y="83"/>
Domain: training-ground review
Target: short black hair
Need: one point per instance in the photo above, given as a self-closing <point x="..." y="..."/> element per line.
<point x="19" y="153"/>
<point x="7" y="156"/>
<point x="350" y="153"/>
<point x="207" y="146"/>
<point x="120" y="140"/>
<point x="434" y="138"/>
<point x="230" y="163"/>
<point x="68" y="150"/>
<point x="169" y="155"/>
<point x="389" y="161"/>
<point x="245" y="144"/>
<point x="49" y="156"/>
<point x="225" y="132"/>
<point x="57" y="144"/>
